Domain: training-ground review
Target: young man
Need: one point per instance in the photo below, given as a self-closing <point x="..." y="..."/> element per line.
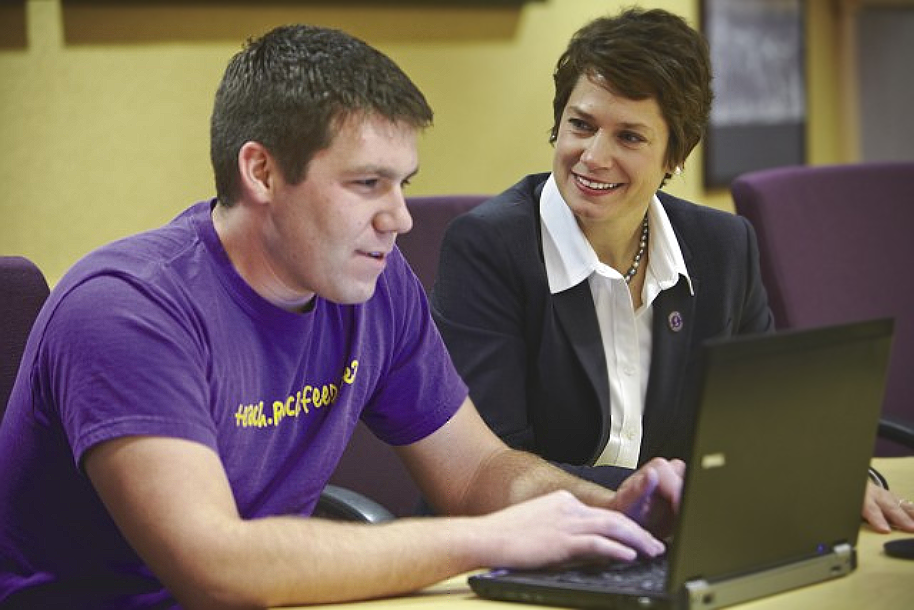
<point x="187" y="392"/>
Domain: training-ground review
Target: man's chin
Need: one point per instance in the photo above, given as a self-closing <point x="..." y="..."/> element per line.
<point x="353" y="295"/>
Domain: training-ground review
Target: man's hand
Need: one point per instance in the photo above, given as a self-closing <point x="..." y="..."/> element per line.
<point x="885" y="511"/>
<point x="557" y="527"/>
<point x="651" y="495"/>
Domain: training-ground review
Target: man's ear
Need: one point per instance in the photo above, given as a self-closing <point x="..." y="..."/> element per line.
<point x="258" y="171"/>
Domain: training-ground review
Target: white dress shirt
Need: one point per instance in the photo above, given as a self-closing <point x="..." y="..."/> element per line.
<point x="625" y="332"/>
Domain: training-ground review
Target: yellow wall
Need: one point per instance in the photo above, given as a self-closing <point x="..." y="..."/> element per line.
<point x="104" y="107"/>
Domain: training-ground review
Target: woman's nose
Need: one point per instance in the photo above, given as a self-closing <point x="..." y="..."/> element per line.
<point x="598" y="152"/>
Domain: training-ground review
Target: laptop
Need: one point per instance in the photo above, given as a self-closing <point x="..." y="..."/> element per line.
<point x="786" y="425"/>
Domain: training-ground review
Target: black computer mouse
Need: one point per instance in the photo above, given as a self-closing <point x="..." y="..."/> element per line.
<point x="903" y="548"/>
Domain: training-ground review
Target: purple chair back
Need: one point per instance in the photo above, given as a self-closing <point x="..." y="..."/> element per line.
<point x="431" y="215"/>
<point x="836" y="246"/>
<point x="369" y="466"/>
<point x="23" y="291"/>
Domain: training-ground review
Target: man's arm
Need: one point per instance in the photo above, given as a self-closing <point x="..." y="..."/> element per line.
<point x="172" y="500"/>
<point x="463" y="468"/>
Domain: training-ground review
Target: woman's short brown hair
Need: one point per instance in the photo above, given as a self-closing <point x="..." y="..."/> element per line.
<point x="643" y="54"/>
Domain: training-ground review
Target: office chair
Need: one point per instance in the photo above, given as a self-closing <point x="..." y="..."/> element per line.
<point x="836" y="246"/>
<point x="431" y="216"/>
<point x="341" y="504"/>
<point x="370" y="483"/>
<point x="23" y="290"/>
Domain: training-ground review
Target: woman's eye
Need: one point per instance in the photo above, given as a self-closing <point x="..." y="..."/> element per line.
<point x="631" y="138"/>
<point x="579" y="124"/>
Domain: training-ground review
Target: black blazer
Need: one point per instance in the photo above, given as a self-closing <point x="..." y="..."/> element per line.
<point x="534" y="361"/>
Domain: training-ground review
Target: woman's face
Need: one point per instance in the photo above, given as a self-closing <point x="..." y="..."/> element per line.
<point x="609" y="154"/>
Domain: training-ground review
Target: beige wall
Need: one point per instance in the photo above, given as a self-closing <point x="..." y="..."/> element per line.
<point x="104" y="107"/>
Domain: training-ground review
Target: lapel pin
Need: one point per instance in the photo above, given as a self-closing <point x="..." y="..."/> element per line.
<point x="675" y="321"/>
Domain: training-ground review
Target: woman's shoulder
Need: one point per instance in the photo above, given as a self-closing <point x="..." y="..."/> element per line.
<point x="684" y="214"/>
<point x="505" y="228"/>
<point x="519" y="200"/>
<point x="510" y="215"/>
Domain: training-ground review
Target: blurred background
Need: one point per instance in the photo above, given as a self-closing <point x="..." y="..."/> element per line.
<point x="104" y="105"/>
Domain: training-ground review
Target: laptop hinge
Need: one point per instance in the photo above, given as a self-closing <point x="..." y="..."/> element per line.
<point x="701" y="593"/>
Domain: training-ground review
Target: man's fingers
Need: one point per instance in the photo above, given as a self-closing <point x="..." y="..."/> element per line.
<point x="619" y="528"/>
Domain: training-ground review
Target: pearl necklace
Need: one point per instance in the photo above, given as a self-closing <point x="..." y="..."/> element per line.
<point x="636" y="262"/>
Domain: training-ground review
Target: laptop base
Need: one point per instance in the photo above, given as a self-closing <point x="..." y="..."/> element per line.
<point x="706" y="596"/>
<point x="698" y="594"/>
<point x="535" y="591"/>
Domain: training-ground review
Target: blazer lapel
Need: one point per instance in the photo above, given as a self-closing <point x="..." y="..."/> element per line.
<point x="674" y="320"/>
<point x="578" y="319"/>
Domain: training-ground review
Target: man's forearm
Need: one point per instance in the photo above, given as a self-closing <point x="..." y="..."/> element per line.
<point x="323" y="561"/>
<point x="511" y="476"/>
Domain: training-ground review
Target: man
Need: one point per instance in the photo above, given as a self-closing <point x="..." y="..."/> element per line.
<point x="187" y="392"/>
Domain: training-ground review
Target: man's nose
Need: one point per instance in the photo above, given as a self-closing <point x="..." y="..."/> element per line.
<point x="395" y="218"/>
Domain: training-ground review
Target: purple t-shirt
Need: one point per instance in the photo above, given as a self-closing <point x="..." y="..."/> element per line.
<point x="157" y="334"/>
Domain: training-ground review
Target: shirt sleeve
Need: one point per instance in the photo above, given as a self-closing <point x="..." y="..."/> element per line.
<point x="421" y="389"/>
<point x="120" y="359"/>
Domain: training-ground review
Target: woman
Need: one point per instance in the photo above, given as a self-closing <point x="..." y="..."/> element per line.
<point x="573" y="303"/>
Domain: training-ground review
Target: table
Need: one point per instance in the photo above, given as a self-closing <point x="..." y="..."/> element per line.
<point x="878" y="582"/>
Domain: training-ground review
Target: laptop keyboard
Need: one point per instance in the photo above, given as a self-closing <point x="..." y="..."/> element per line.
<point x="646" y="576"/>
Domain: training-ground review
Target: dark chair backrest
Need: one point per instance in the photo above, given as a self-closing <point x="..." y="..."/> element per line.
<point x="369" y="466"/>
<point x="23" y="291"/>
<point x="836" y="246"/>
<point x="431" y="215"/>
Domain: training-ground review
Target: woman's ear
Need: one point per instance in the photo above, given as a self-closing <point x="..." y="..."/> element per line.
<point x="257" y="170"/>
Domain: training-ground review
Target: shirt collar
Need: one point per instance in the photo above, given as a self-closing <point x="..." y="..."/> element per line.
<point x="570" y="259"/>
<point x="568" y="256"/>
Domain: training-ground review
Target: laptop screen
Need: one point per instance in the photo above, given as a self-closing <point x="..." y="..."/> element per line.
<point x="785" y="431"/>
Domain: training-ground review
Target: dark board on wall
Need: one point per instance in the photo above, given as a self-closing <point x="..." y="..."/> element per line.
<point x="759" y="115"/>
<point x="885" y="47"/>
